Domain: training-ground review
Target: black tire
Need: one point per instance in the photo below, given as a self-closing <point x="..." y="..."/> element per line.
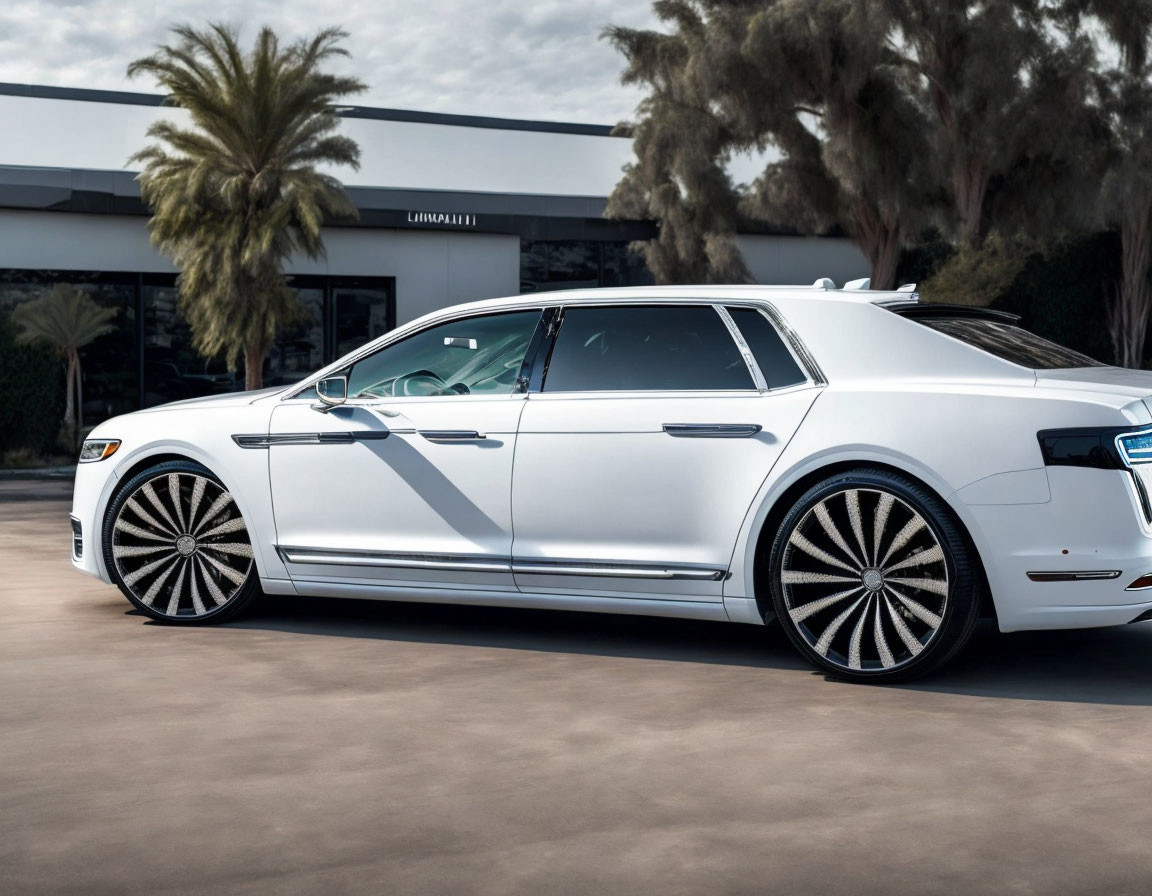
<point x="177" y="546"/>
<point x="864" y="591"/>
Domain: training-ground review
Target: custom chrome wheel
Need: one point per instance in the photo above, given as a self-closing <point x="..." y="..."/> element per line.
<point x="870" y="574"/>
<point x="178" y="546"/>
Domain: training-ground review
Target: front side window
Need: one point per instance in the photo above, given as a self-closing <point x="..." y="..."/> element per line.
<point x="645" y="348"/>
<point x="473" y="356"/>
<point x="1010" y="343"/>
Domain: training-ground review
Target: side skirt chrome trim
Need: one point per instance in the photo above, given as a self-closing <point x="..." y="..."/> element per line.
<point x="683" y="609"/>
<point x="477" y="563"/>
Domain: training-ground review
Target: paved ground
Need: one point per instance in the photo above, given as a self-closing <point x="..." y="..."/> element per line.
<point x="345" y="746"/>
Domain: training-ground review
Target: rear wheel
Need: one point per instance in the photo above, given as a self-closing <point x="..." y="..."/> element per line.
<point x="872" y="578"/>
<point x="176" y="544"/>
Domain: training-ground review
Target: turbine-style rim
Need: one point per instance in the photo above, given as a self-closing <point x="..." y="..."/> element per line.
<point x="180" y="545"/>
<point x="865" y="580"/>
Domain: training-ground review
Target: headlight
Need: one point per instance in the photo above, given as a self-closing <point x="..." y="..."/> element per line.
<point x="98" y="449"/>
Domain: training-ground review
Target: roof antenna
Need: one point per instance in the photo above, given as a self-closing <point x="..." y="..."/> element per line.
<point x="824" y="283"/>
<point x="862" y="283"/>
<point x="907" y="287"/>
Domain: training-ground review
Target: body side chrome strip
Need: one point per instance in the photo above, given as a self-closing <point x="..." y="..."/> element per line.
<point x="309" y="438"/>
<point x="712" y="430"/>
<point x="1074" y="576"/>
<point x="334" y="557"/>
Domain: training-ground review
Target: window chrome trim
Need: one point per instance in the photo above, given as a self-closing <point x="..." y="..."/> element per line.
<point x="799" y="350"/>
<point x="742" y="344"/>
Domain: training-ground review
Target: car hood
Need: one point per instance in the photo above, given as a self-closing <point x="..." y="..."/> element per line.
<point x="228" y="400"/>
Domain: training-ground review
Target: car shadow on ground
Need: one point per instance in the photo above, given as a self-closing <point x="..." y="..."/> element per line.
<point x="1111" y="665"/>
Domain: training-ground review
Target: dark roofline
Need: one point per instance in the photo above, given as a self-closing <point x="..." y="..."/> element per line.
<point x="128" y="98"/>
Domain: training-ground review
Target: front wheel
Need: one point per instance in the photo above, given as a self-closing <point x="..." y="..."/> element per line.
<point x="176" y="544"/>
<point x="872" y="578"/>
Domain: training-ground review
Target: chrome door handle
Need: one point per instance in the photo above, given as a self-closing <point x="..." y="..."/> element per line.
<point x="451" y="435"/>
<point x="712" y="430"/>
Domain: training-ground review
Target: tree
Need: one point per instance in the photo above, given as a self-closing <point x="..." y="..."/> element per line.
<point x="65" y="319"/>
<point x="810" y="81"/>
<point x="236" y="194"/>
<point x="844" y="120"/>
<point x="681" y="146"/>
<point x="1126" y="193"/>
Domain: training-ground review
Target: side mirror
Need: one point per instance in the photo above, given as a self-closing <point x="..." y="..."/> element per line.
<point x="332" y="392"/>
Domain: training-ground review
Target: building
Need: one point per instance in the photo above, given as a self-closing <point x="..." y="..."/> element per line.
<point x="452" y="208"/>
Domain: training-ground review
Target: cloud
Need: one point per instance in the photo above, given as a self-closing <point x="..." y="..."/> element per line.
<point x="480" y="57"/>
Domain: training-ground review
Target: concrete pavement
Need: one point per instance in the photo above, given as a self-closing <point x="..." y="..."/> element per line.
<point x="357" y="747"/>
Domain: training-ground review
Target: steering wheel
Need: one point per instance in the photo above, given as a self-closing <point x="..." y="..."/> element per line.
<point x="421" y="382"/>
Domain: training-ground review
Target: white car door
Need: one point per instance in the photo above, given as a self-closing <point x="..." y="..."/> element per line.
<point x="643" y="444"/>
<point x="408" y="482"/>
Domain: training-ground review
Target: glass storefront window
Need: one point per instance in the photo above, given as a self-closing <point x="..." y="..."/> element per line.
<point x="149" y="359"/>
<point x="362" y="310"/>
<point x="173" y="369"/>
<point x="300" y="348"/>
<point x="578" y="264"/>
<point x="110" y="364"/>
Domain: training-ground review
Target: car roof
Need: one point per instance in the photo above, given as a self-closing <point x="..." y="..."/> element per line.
<point x="688" y="293"/>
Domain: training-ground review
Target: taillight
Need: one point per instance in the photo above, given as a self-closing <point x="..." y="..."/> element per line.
<point x="1105" y="448"/>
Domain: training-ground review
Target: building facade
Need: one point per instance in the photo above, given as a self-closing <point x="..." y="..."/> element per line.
<point x="452" y="208"/>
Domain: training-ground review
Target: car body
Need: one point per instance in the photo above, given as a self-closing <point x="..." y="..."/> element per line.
<point x="578" y="478"/>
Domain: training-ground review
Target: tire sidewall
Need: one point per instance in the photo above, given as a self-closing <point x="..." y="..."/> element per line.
<point x="239" y="601"/>
<point x="963" y="599"/>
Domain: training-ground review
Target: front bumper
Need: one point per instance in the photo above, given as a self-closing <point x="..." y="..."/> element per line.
<point x="94" y="485"/>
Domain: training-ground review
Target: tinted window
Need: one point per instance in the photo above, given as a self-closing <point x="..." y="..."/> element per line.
<point x="645" y="348"/>
<point x="1010" y="343"/>
<point x="772" y="356"/>
<point x="476" y="355"/>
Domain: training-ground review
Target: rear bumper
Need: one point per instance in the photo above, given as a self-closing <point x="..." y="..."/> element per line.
<point x="1092" y="522"/>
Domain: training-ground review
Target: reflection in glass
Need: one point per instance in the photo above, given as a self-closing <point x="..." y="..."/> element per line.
<point x="110" y="364"/>
<point x="363" y="311"/>
<point x="299" y="350"/>
<point x="173" y="369"/>
<point x="474" y="356"/>
<point x="577" y="264"/>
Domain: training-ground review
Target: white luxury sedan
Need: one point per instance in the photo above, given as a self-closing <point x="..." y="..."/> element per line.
<point x="871" y="471"/>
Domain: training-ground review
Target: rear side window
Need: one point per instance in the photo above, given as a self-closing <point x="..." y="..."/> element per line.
<point x="644" y="348"/>
<point x="1009" y="342"/>
<point x="772" y="356"/>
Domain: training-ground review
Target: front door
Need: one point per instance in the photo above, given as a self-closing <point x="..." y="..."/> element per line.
<point x="639" y="457"/>
<point x="407" y="483"/>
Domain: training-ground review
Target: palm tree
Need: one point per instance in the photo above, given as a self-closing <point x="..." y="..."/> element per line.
<point x="237" y="193"/>
<point x="66" y="319"/>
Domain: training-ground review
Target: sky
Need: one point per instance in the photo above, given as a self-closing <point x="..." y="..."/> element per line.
<point x="508" y="58"/>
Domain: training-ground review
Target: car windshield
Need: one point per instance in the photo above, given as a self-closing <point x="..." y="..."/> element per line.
<point x="1009" y="342"/>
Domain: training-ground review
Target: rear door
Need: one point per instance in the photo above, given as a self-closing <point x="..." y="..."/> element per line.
<point x="642" y="445"/>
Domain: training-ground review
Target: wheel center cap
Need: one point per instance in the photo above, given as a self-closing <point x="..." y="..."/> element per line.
<point x="873" y="579"/>
<point x="186" y="545"/>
